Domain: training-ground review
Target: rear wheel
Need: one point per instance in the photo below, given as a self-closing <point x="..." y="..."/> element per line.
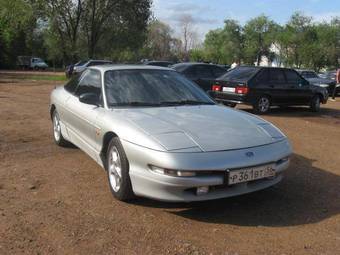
<point x="315" y="103"/>
<point x="232" y="105"/>
<point x="262" y="105"/>
<point x="117" y="167"/>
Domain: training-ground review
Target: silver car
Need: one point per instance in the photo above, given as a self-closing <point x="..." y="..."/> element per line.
<point x="160" y="136"/>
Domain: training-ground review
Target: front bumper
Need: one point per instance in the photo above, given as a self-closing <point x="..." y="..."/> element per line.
<point x="182" y="189"/>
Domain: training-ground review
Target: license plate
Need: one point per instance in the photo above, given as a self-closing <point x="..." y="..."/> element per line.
<point x="250" y="174"/>
<point x="228" y="89"/>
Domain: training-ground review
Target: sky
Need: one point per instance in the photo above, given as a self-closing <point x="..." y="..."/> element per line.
<point x="210" y="14"/>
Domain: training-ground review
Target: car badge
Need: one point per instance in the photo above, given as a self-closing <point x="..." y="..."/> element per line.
<point x="250" y="154"/>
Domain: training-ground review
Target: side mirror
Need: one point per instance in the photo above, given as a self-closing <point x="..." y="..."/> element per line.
<point x="89" y="98"/>
<point x="304" y="83"/>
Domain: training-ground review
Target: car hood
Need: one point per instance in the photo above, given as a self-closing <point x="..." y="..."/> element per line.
<point x="318" y="81"/>
<point x="203" y="128"/>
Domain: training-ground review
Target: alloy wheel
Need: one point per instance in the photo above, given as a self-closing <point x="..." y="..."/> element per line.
<point x="263" y="104"/>
<point x="56" y="127"/>
<point x="115" y="169"/>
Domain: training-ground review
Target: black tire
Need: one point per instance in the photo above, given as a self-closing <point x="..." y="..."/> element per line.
<point x="232" y="105"/>
<point x="58" y="138"/>
<point x="262" y="105"/>
<point x="124" y="191"/>
<point x="315" y="103"/>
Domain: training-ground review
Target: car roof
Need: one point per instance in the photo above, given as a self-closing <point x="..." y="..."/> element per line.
<point x="304" y="70"/>
<point x="99" y="60"/>
<point x="269" y="67"/>
<point x="158" y="61"/>
<point x="193" y="64"/>
<point x="105" y="68"/>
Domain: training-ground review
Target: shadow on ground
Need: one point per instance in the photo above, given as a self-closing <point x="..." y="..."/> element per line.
<point x="299" y="112"/>
<point x="307" y="195"/>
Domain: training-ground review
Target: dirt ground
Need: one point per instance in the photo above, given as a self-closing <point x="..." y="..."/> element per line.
<point x="57" y="201"/>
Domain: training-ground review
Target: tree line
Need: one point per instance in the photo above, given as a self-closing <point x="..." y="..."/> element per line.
<point x="300" y="43"/>
<point x="66" y="31"/>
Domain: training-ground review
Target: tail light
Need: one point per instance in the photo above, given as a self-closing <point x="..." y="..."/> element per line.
<point x="216" y="87"/>
<point x="241" y="90"/>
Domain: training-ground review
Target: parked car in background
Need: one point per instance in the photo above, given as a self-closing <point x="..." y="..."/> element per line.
<point x="81" y="68"/>
<point x="28" y="62"/>
<point x="158" y="135"/>
<point x="315" y="79"/>
<point x="263" y="87"/>
<point x="158" y="63"/>
<point x="202" y="74"/>
<point x="69" y="68"/>
<point x="329" y="75"/>
<point x="227" y="67"/>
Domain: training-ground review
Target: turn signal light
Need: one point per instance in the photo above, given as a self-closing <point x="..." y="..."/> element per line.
<point x="171" y="172"/>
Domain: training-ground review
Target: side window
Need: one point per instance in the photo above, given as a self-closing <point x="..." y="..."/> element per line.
<point x="204" y="72"/>
<point x="276" y="76"/>
<point x="190" y="72"/>
<point x="72" y="84"/>
<point x="90" y="83"/>
<point x="217" y="71"/>
<point x="292" y="77"/>
<point x="262" y="77"/>
<point x="92" y="63"/>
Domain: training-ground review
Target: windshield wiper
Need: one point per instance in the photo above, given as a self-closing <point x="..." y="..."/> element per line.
<point x="186" y="102"/>
<point x="134" y="104"/>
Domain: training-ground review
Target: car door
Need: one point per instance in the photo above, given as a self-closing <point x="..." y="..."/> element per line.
<point x="299" y="92"/>
<point x="277" y="86"/>
<point x="82" y="118"/>
<point x="259" y="85"/>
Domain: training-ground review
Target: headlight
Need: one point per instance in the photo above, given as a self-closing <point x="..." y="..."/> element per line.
<point x="324" y="85"/>
<point x="171" y="172"/>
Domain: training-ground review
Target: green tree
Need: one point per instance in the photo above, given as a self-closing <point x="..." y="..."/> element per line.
<point x="259" y="35"/>
<point x="15" y="19"/>
<point x="225" y="45"/>
<point x="159" y="41"/>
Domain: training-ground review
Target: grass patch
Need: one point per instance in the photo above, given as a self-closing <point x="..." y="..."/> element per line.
<point x="44" y="77"/>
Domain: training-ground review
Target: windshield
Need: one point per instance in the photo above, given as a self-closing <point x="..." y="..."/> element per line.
<point x="242" y="73"/>
<point x="151" y="88"/>
<point x="309" y="75"/>
<point x="80" y="63"/>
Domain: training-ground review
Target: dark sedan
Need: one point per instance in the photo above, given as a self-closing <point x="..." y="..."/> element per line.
<point x="202" y="74"/>
<point x="315" y="79"/>
<point x="158" y="63"/>
<point x="263" y="87"/>
<point x="69" y="68"/>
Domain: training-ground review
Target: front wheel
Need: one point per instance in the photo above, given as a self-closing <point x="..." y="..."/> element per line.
<point x="57" y="135"/>
<point x="315" y="103"/>
<point x="262" y="105"/>
<point x="117" y="167"/>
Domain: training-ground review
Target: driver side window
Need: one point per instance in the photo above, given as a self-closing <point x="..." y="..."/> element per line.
<point x="90" y="83"/>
